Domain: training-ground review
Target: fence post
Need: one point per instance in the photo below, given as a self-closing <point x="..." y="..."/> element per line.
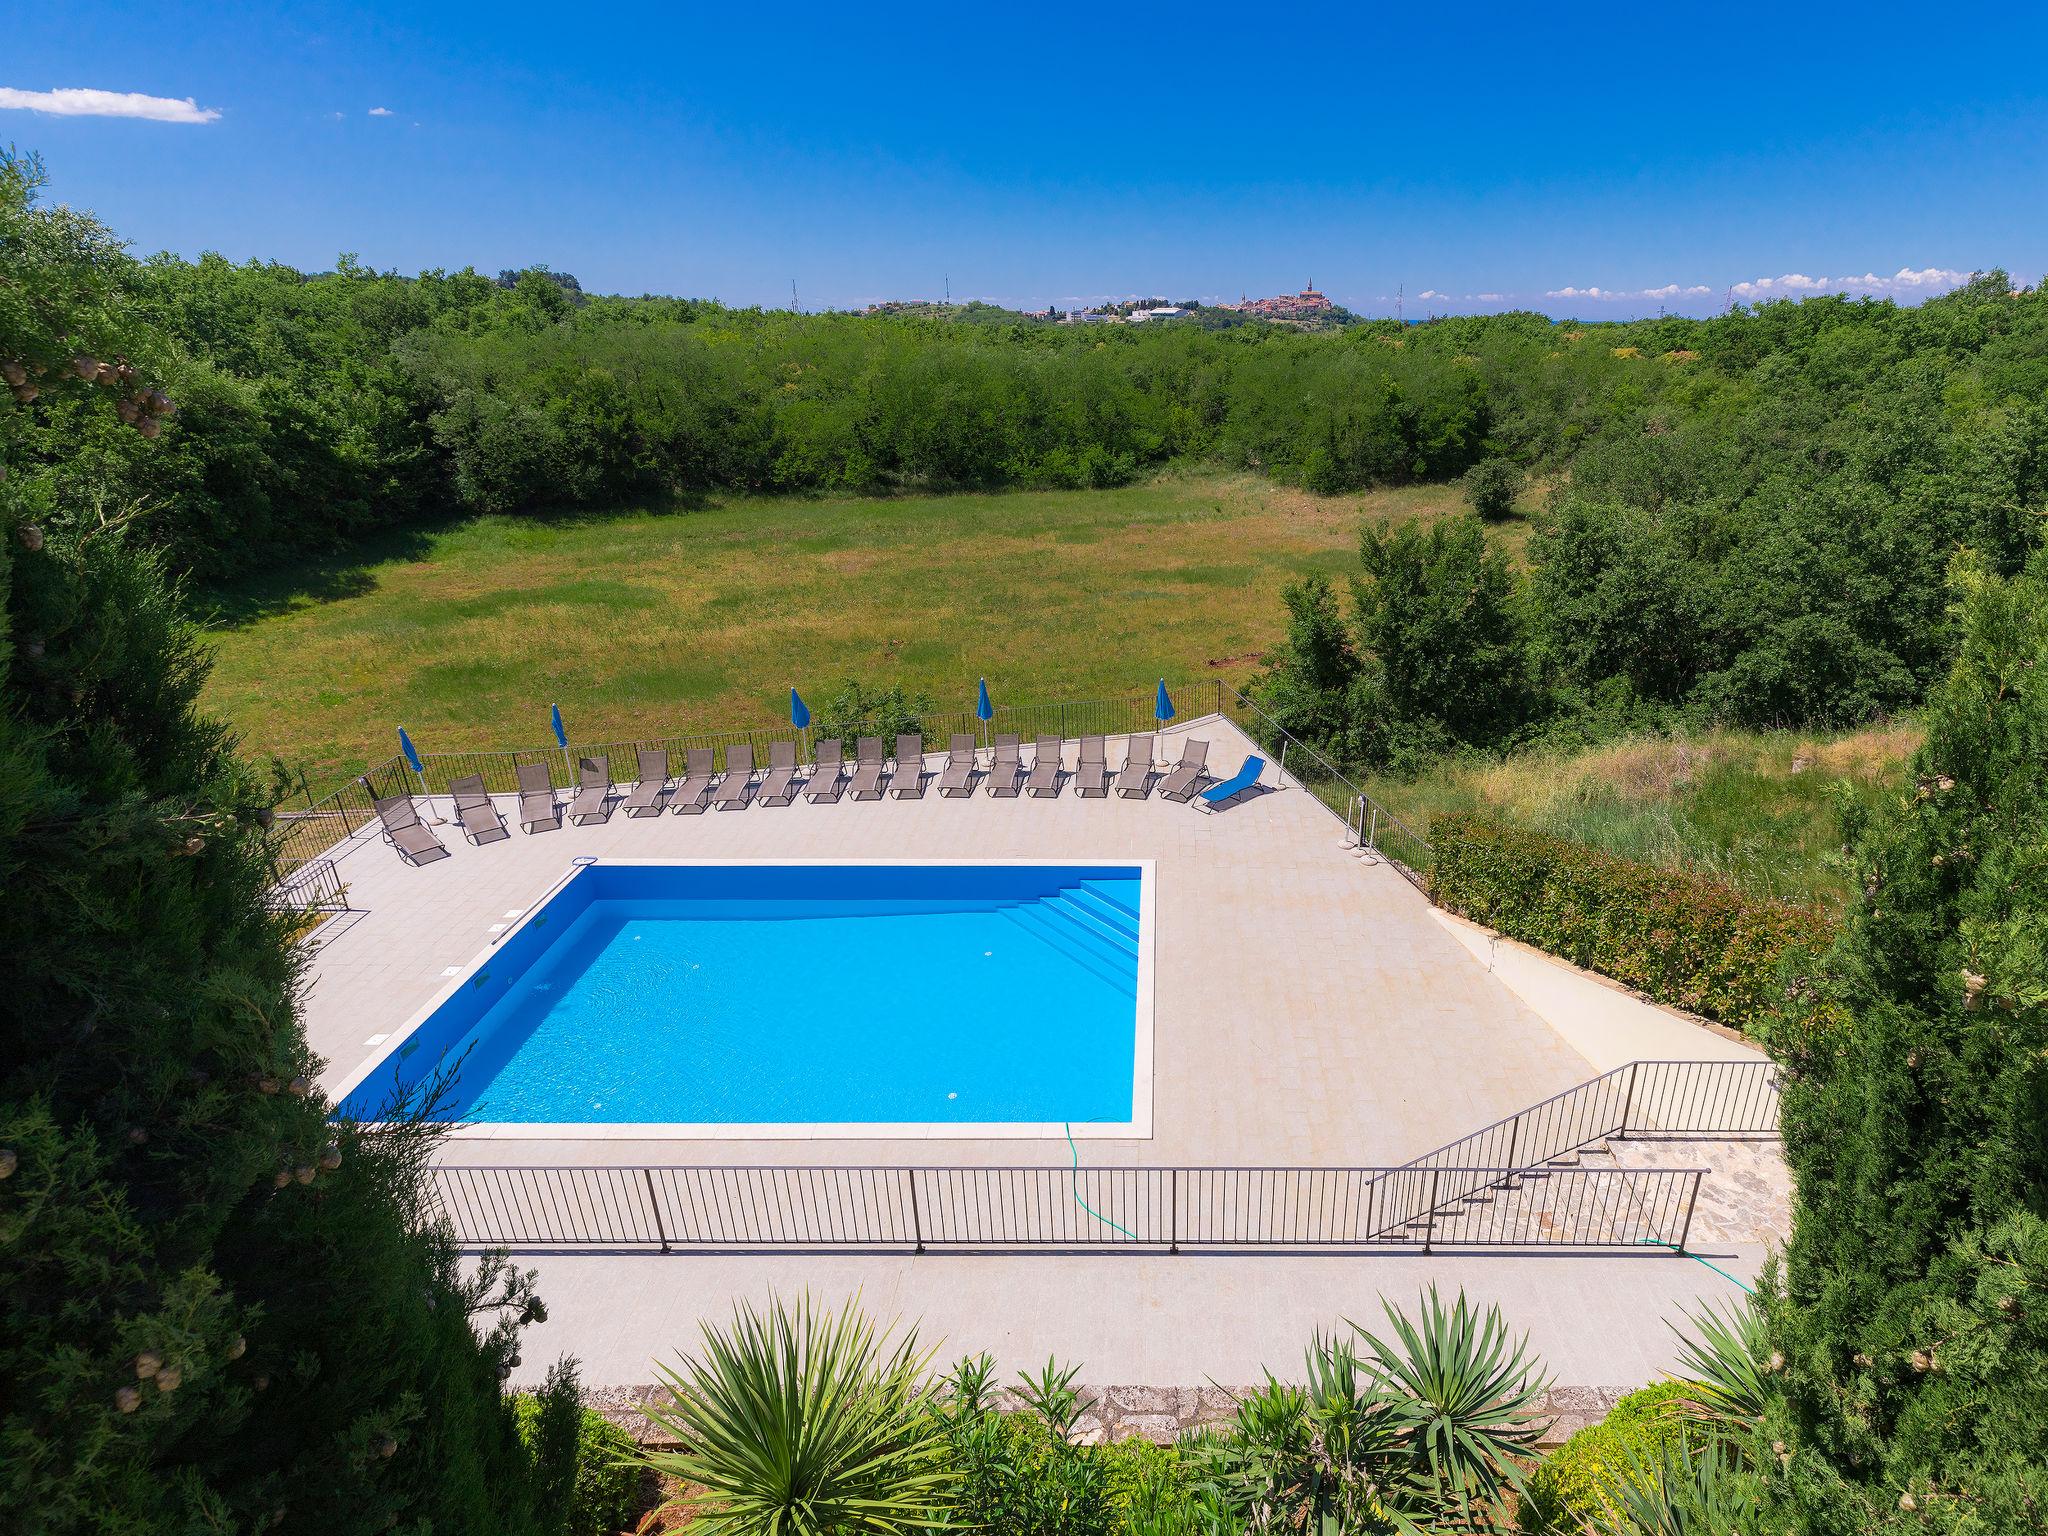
<point x="654" y="1205"/>
<point x="1173" y="1214"/>
<point x="1373" y="842"/>
<point x="1692" y="1199"/>
<point x="1283" y="762"/>
<point x="1429" y="1217"/>
<point x="1514" y="1141"/>
<point x="1628" y="1102"/>
<point x="916" y="1220"/>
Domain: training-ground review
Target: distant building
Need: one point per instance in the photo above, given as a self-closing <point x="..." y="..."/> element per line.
<point x="1157" y="312"/>
<point x="1305" y="305"/>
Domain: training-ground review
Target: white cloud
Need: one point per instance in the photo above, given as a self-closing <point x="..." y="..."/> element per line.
<point x="79" y="102"/>
<point x="1431" y="293"/>
<point x="1487" y="298"/>
<point x="1906" y="280"/>
<point x="380" y="112"/>
<point x="1623" y="295"/>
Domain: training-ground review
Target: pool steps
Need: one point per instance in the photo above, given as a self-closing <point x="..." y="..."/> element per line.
<point x="1089" y="926"/>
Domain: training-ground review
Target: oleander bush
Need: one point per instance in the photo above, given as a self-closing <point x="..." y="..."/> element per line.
<point x="1679" y="938"/>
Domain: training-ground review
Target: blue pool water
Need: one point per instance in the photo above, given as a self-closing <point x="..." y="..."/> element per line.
<point x="645" y="993"/>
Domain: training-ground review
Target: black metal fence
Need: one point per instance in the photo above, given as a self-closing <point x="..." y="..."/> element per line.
<point x="315" y="886"/>
<point x="1050" y="1208"/>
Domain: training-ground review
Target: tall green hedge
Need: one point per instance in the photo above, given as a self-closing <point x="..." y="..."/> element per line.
<point x="1682" y="939"/>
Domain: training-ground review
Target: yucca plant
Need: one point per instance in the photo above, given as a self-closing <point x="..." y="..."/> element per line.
<point x="1681" y="1491"/>
<point x="1463" y="1394"/>
<point x="1723" y="1362"/>
<point x="802" y="1423"/>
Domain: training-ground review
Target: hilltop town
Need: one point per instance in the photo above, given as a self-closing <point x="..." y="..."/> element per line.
<point x="1306" y="310"/>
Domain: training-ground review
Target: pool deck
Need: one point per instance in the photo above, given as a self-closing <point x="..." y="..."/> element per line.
<point x="1310" y="1009"/>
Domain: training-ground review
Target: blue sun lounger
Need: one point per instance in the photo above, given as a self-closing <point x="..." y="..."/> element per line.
<point x="1217" y="796"/>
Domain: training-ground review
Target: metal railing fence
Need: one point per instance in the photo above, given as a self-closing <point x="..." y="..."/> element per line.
<point x="314" y="886"/>
<point x="1164" y="1208"/>
<point x="297" y="837"/>
<point x="1368" y="823"/>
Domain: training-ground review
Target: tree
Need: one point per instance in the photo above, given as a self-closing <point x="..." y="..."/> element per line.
<point x="1437" y="616"/>
<point x="218" y="1310"/>
<point x="1307" y="687"/>
<point x="1491" y="487"/>
<point x="1910" y="1317"/>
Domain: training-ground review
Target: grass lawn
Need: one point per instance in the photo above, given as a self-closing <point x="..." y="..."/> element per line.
<point x="643" y="622"/>
<point x="1757" y="809"/>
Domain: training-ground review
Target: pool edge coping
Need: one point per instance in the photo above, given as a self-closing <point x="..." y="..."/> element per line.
<point x="1137" y="1128"/>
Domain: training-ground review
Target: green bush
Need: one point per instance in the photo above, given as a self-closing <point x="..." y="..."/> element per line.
<point x="1577" y="1482"/>
<point x="1491" y="487"/>
<point x="607" y="1493"/>
<point x="1679" y="938"/>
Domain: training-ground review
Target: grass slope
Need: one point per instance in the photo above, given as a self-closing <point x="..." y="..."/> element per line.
<point x="643" y="622"/>
<point x="1756" y="809"/>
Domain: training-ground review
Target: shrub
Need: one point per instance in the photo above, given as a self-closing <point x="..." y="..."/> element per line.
<point x="802" y="1423"/>
<point x="1680" y="938"/>
<point x="607" y="1489"/>
<point x="1491" y="487"/>
<point x="1581" y="1480"/>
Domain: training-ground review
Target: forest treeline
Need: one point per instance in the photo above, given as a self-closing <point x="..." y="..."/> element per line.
<point x="1748" y="518"/>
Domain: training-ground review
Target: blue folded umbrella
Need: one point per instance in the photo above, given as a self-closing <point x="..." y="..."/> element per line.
<point x="983" y="710"/>
<point x="412" y="758"/>
<point x="555" y="719"/>
<point x="1163" y="706"/>
<point x="799" y="711"/>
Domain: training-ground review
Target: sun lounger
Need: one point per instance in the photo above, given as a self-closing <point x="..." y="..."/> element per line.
<point x="1091" y="778"/>
<point x="779" y="786"/>
<point x="1134" y="780"/>
<point x="404" y="831"/>
<point x="908" y="779"/>
<point x="958" y="777"/>
<point x="1188" y="773"/>
<point x="828" y="775"/>
<point x="1006" y="773"/>
<point x="537" y="808"/>
<point x="1217" y="796"/>
<point x="593" y="800"/>
<point x="688" y="800"/>
<point x="867" y="768"/>
<point x="475" y="812"/>
<point x="1044" y="782"/>
<point x="653" y="786"/>
<point x="739" y="778"/>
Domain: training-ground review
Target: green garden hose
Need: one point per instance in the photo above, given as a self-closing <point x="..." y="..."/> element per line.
<point x="1076" y="1185"/>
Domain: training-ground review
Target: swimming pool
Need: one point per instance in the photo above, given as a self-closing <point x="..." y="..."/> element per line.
<point x="809" y="999"/>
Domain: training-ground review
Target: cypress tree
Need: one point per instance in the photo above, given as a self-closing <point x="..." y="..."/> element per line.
<point x="218" y="1310"/>
<point x="1911" y="1317"/>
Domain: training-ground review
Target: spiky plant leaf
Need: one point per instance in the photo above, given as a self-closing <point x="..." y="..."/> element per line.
<point x="1723" y="1363"/>
<point x="804" y="1423"/>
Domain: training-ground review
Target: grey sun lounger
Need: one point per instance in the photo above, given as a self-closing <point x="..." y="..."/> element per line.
<point x="404" y="831"/>
<point x="738" y="782"/>
<point x="1006" y="773"/>
<point x="1044" y="782"/>
<point x="867" y="768"/>
<point x="828" y="775"/>
<point x="778" y="787"/>
<point x="1091" y="779"/>
<point x="1188" y="773"/>
<point x="537" y="807"/>
<point x="475" y="812"/>
<point x="652" y="787"/>
<point x="1134" y="780"/>
<point x="688" y="800"/>
<point x="957" y="779"/>
<point x="908" y="779"/>
<point x="593" y="800"/>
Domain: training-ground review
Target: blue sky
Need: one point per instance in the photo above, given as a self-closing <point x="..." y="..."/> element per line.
<point x="1594" y="161"/>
